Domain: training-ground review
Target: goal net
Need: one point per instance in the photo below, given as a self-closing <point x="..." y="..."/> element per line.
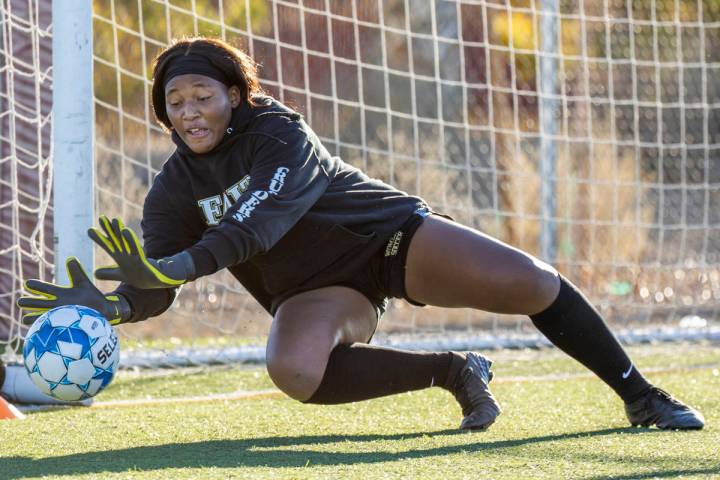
<point x="584" y="132"/>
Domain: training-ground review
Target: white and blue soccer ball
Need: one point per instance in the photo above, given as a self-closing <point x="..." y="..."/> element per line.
<point x="71" y="352"/>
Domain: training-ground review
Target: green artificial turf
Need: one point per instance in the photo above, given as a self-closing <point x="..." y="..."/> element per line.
<point x="557" y="423"/>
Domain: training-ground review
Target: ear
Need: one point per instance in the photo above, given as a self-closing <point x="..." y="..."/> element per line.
<point x="235" y="96"/>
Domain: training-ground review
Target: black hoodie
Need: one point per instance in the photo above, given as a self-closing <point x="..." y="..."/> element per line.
<point x="270" y="204"/>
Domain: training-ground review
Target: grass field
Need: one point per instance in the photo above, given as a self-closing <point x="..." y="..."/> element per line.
<point x="557" y="423"/>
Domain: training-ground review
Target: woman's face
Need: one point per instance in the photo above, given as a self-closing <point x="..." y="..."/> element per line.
<point x="199" y="109"/>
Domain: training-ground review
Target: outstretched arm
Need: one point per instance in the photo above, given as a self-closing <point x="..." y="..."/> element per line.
<point x="44" y="296"/>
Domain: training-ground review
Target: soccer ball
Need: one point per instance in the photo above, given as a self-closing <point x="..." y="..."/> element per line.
<point x="71" y="352"/>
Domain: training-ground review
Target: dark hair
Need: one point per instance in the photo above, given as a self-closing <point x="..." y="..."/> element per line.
<point x="237" y="66"/>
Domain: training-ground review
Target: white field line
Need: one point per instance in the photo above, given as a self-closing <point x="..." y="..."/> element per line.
<point x="271" y="393"/>
<point x="242" y="395"/>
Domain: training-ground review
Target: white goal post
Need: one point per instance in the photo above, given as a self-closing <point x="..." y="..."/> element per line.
<point x="73" y="134"/>
<point x="587" y="133"/>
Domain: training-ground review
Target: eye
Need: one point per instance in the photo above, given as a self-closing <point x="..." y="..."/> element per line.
<point x="202" y="99"/>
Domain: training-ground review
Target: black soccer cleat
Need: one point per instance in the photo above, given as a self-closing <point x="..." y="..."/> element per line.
<point x="479" y="407"/>
<point x="659" y="408"/>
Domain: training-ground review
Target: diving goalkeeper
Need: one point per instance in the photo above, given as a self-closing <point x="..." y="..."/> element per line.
<point x="321" y="246"/>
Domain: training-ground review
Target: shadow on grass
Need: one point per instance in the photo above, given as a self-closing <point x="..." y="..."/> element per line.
<point x="269" y="452"/>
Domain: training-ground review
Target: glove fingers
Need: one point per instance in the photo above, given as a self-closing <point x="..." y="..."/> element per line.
<point x="118" y="225"/>
<point x="127" y="241"/>
<point x="104" y="242"/>
<point x="76" y="273"/>
<point x="132" y="242"/>
<point x="36" y="303"/>
<point x="107" y="227"/>
<point x="110" y="273"/>
<point x="45" y="289"/>
<point x="117" y="229"/>
<point x="29" y="318"/>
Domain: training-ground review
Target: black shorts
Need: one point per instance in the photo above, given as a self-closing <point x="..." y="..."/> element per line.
<point x="383" y="276"/>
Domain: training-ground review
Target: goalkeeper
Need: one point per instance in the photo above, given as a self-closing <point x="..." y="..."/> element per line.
<point x="321" y="246"/>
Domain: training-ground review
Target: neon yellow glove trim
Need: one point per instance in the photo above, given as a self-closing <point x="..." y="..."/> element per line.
<point x="104" y="239"/>
<point x="159" y="275"/>
<point x="108" y="228"/>
<point x="46" y="296"/>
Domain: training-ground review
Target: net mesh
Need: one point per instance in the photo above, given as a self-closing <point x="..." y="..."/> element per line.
<point x="25" y="155"/>
<point x="583" y="132"/>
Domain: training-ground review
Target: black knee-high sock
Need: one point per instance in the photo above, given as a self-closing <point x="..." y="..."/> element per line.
<point x="573" y="325"/>
<point x="361" y="372"/>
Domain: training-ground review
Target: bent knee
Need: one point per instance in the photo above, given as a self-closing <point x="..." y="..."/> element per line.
<point x="525" y="286"/>
<point x="296" y="377"/>
<point x="544" y="283"/>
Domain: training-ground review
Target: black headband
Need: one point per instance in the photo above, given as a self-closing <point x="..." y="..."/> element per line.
<point x="193" y="63"/>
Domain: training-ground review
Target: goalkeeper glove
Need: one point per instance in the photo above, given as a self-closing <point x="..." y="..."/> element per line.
<point x="45" y="296"/>
<point x="133" y="267"/>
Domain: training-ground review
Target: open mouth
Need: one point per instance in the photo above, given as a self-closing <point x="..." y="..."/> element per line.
<point x="197" y="132"/>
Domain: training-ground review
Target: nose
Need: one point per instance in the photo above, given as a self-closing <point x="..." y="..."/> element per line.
<point x="190" y="111"/>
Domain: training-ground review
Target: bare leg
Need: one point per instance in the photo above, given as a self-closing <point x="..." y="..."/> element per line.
<point x="317" y="352"/>
<point x="449" y="265"/>
<point x="307" y="327"/>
